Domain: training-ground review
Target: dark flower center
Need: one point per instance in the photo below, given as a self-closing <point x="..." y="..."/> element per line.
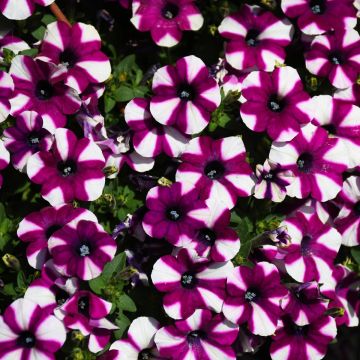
<point x="275" y="104"/>
<point x="84" y="249"/>
<point x="67" y="168"/>
<point x="300" y="330"/>
<point x="195" y="336"/>
<point x="44" y="90"/>
<point x="26" y="339"/>
<point x="188" y="280"/>
<point x="214" y="170"/>
<point x="68" y="58"/>
<point x="61" y="296"/>
<point x="269" y="176"/>
<point x="145" y="354"/>
<point x="33" y="140"/>
<point x="305" y="162"/>
<point x="83" y="306"/>
<point x="356" y="208"/>
<point x="251" y="295"/>
<point x="186" y="92"/>
<point x="252" y="37"/>
<point x="336" y="58"/>
<point x="330" y="128"/>
<point x="173" y="214"/>
<point x="306" y="249"/>
<point x="207" y="236"/>
<point x="170" y="11"/>
<point x="50" y="231"/>
<point x="318" y="7"/>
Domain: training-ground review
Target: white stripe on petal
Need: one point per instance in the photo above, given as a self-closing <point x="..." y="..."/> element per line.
<point x="262" y="323"/>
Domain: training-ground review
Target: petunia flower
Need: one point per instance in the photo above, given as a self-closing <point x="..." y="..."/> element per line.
<point x="21" y="9"/>
<point x="81" y="249"/>
<point x="256" y="38"/>
<point x="26" y="138"/>
<point x="275" y="103"/>
<point x="200" y="336"/>
<point x="335" y="56"/>
<point x="139" y="343"/>
<point x="314" y="246"/>
<point x="184" y="95"/>
<point x="71" y="170"/>
<point x="316" y="160"/>
<point x="166" y="19"/>
<point x="347" y="221"/>
<point x="6" y="91"/>
<point x="293" y="342"/>
<point x="272" y="181"/>
<point x="39" y="86"/>
<point x="218" y="168"/>
<point x="37" y="227"/>
<point x="316" y="17"/>
<point x="11" y="42"/>
<point x="190" y="282"/>
<point x="78" y="49"/>
<point x="27" y="332"/>
<point x="174" y="213"/>
<point x="4" y="159"/>
<point x="150" y="138"/>
<point x="253" y="297"/>
<point x="341" y="120"/>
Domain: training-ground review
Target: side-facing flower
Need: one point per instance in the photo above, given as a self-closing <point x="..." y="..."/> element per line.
<point x="166" y="19"/>
<point x="253" y="297"/>
<point x="184" y="95"/>
<point x="39" y="86"/>
<point x="26" y="138"/>
<point x="218" y="168"/>
<point x="4" y="159"/>
<point x="272" y="181"/>
<point x="256" y="38"/>
<point x="37" y="227"/>
<point x="81" y="249"/>
<point x="27" y="332"/>
<point x="201" y="336"/>
<point x="72" y="169"/>
<point x="190" y="282"/>
<point x="6" y="91"/>
<point x="275" y="102"/>
<point x="150" y="138"/>
<point x="316" y="160"/>
<point x="78" y="49"/>
<point x="175" y="213"/>
<point x="335" y="56"/>
<point x="21" y="9"/>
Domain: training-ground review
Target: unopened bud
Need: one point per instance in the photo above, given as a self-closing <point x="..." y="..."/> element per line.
<point x="11" y="262"/>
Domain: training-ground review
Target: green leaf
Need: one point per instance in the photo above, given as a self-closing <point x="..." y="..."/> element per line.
<point x="29" y="52"/>
<point x="48" y="19"/>
<point x="123" y="323"/>
<point x="126" y="64"/>
<point x="109" y="103"/>
<point x="115" y="266"/>
<point x="39" y="33"/>
<point x="124" y="93"/>
<point x="355" y="253"/>
<point x="98" y="284"/>
<point x="125" y="303"/>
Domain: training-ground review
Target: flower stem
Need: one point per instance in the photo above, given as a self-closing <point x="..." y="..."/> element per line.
<point x="58" y="13"/>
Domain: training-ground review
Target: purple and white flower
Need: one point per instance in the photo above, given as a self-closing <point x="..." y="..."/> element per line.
<point x="81" y="249"/>
<point x="6" y="91"/>
<point x="72" y="169"/>
<point x="190" y="282"/>
<point x="4" y="159"/>
<point x="316" y="160"/>
<point x="272" y="181"/>
<point x="150" y="138"/>
<point x="175" y="213"/>
<point x="256" y="38"/>
<point x="253" y="297"/>
<point x="27" y="332"/>
<point x="184" y="95"/>
<point x="21" y="9"/>
<point x="218" y="168"/>
<point x="316" y="17"/>
<point x="201" y="336"/>
<point x="276" y="103"/>
<point x="166" y="19"/>
<point x="335" y="56"/>
<point x="39" y="86"/>
<point x="37" y="227"/>
<point x="26" y="138"/>
<point x="78" y="49"/>
<point x="11" y="42"/>
<point x="293" y="342"/>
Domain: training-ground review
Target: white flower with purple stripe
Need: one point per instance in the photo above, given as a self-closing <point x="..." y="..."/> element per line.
<point x="317" y="161"/>
<point x="11" y="42"/>
<point x="150" y="138"/>
<point x="4" y="159"/>
<point x="184" y="95"/>
<point x="78" y="49"/>
<point x="256" y="38"/>
<point x="21" y="9"/>
<point x="190" y="282"/>
<point x="253" y="297"/>
<point x="200" y="336"/>
<point x="6" y="91"/>
<point x="27" y="332"/>
<point x="275" y="103"/>
<point x="218" y="168"/>
<point x="72" y="169"/>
